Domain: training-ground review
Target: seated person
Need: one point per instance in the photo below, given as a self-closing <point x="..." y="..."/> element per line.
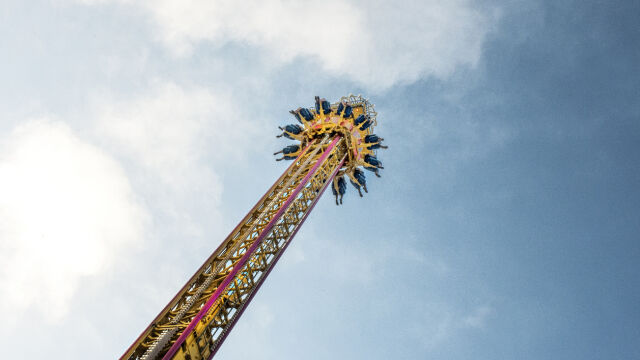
<point x="290" y="152"/>
<point x="358" y="180"/>
<point x="303" y="113"/>
<point x="362" y="180"/>
<point x="348" y="111"/>
<point x="338" y="188"/>
<point x="372" y="138"/>
<point x="326" y="107"/>
<point x="306" y="114"/>
<point x="293" y="128"/>
<point x="290" y="131"/>
<point x="355" y="185"/>
<point x="359" y="120"/>
<point x="365" y="125"/>
<point x="373" y="161"/>
<point x="322" y="104"/>
<point x="373" y="142"/>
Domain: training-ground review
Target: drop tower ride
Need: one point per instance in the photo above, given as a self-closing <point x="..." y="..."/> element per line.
<point x="333" y="141"/>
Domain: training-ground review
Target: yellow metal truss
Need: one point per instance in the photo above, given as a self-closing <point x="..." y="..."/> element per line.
<point x="191" y="319"/>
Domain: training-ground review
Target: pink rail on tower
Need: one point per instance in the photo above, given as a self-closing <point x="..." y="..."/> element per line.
<point x="205" y="308"/>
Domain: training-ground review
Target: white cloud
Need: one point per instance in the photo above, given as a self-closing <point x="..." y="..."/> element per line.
<point x="165" y="130"/>
<point x="478" y="318"/>
<point x="375" y="43"/>
<point x="433" y="324"/>
<point x="439" y="322"/>
<point x="66" y="212"/>
<point x="70" y="209"/>
<point x="173" y="141"/>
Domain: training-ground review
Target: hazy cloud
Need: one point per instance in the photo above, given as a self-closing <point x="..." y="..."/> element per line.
<point x="478" y="318"/>
<point x="376" y="44"/>
<point x="66" y="211"/>
<point x="172" y="137"/>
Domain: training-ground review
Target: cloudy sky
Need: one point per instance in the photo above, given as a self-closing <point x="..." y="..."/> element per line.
<point x="134" y="134"/>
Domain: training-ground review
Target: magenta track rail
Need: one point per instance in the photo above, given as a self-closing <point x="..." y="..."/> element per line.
<point x="215" y="252"/>
<point x="176" y="345"/>
<point x="273" y="264"/>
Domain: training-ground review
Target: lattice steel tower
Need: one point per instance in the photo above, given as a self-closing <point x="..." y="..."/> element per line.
<point x="334" y="140"/>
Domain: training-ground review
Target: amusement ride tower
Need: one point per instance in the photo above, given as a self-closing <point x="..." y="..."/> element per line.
<point x="333" y="141"/>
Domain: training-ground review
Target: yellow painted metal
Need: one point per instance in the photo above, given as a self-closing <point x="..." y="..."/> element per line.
<point x="169" y="324"/>
<point x="333" y="123"/>
<point x="211" y="330"/>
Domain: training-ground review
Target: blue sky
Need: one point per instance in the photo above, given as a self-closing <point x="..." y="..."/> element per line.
<point x="135" y="134"/>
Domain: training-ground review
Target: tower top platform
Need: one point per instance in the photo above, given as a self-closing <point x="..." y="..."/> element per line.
<point x="353" y="118"/>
